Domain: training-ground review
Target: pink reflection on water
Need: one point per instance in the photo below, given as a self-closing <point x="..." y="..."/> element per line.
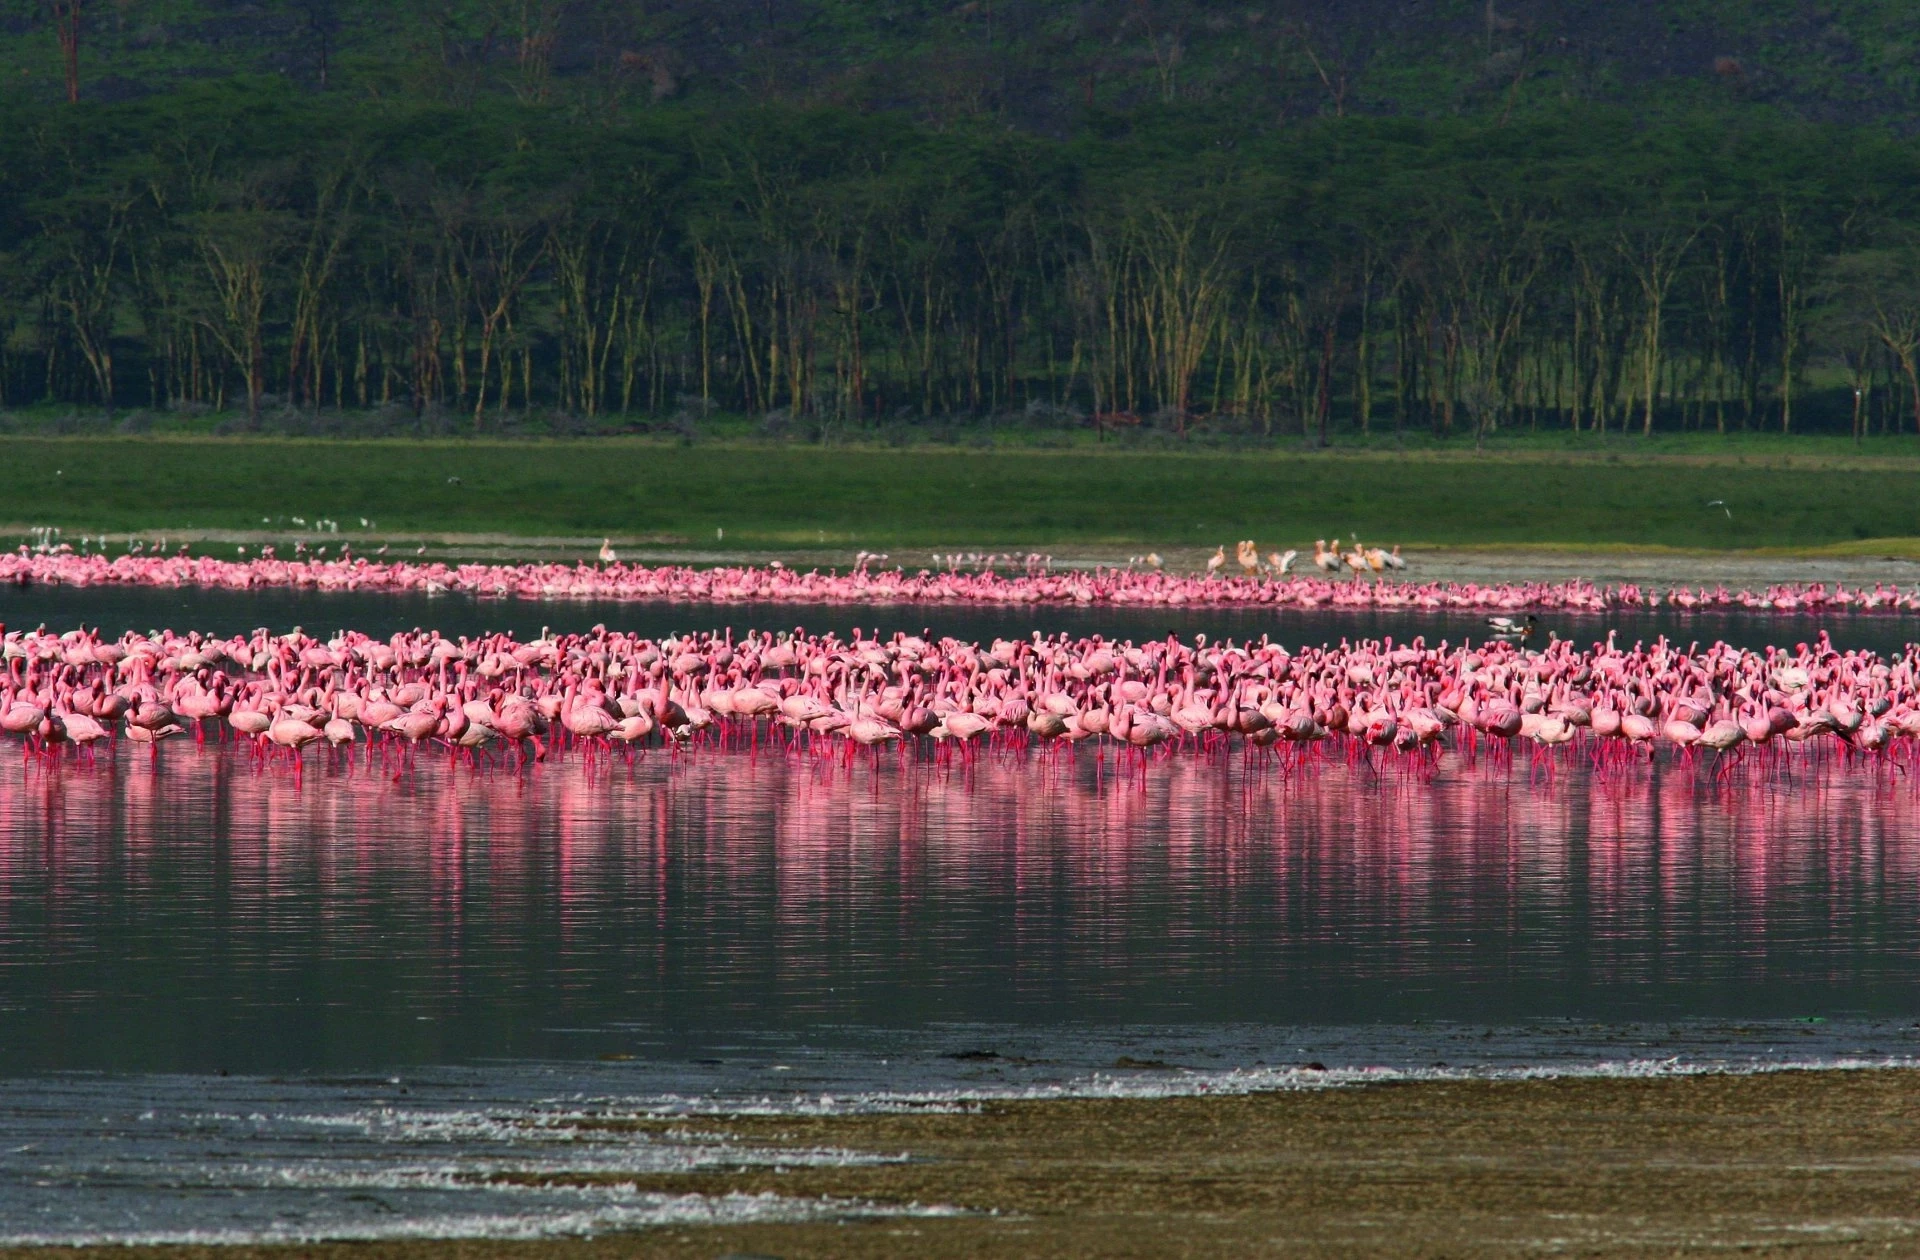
<point x="1195" y="870"/>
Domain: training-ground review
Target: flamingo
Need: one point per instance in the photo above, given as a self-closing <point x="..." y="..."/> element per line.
<point x="290" y="689"/>
<point x="776" y="582"/>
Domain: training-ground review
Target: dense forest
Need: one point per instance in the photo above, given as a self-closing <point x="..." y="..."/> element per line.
<point x="540" y="221"/>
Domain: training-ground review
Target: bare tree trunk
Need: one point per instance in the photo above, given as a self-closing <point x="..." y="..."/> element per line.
<point x="1323" y="403"/>
<point x="66" y="25"/>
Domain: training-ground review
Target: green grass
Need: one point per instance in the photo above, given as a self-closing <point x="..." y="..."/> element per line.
<point x="1814" y="496"/>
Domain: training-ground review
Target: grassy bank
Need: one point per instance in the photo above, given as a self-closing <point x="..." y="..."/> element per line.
<point x="1808" y="1164"/>
<point x="1778" y="495"/>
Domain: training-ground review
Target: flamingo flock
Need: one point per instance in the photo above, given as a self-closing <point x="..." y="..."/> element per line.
<point x="506" y="702"/>
<point x="864" y="584"/>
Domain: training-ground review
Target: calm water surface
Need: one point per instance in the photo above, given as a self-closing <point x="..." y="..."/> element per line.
<point x="381" y="614"/>
<point x="208" y="915"/>
<point x="237" y="1004"/>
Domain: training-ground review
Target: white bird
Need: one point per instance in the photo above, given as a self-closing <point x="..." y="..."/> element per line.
<point x="1325" y="558"/>
<point x="1281" y="562"/>
<point x="1511" y="629"/>
<point x="607" y="553"/>
<point x="1722" y="505"/>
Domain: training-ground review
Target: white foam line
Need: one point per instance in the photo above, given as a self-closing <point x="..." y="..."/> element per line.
<point x="651" y="1210"/>
<point x="1183" y="1083"/>
<point x="362" y="1172"/>
<point x="544" y="1130"/>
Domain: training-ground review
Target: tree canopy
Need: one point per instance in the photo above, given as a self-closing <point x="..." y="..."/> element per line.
<point x="250" y="243"/>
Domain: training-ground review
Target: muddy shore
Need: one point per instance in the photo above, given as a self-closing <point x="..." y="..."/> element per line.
<point x="1791" y="1163"/>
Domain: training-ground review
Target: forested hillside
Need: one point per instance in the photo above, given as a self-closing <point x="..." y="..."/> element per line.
<point x="1035" y="64"/>
<point x="1262" y="219"/>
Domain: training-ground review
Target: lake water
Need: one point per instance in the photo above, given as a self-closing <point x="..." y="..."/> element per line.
<point x="239" y="1005"/>
<point x="228" y="612"/>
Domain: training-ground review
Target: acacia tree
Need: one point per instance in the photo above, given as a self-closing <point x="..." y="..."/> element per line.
<point x="1653" y="245"/>
<point x="241" y="238"/>
<point x="324" y="231"/>
<point x="1492" y="264"/>
<point x="1183" y="256"/>
<point x="494" y="243"/>
<point x="1796" y="261"/>
<point x="921" y="228"/>
<point x="1102" y="285"/>
<point x="1873" y="295"/>
<point x="830" y="265"/>
<point x="83" y="247"/>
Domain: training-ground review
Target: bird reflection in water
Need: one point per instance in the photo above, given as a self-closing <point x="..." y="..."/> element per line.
<point x="343" y="916"/>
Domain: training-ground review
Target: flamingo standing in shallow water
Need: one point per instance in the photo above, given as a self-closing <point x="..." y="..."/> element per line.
<point x="1374" y="697"/>
<point x="1040" y="583"/>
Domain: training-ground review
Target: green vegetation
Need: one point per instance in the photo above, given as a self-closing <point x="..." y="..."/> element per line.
<point x="240" y="245"/>
<point x="799" y="497"/>
<point x="1030" y="64"/>
<point x="1265" y="223"/>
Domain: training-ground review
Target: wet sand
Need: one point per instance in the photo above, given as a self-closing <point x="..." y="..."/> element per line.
<point x="1797" y="1163"/>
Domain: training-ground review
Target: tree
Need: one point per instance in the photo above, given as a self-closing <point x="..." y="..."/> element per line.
<point x="1654" y="244"/>
<point x="241" y="236"/>
<point x="82" y="248"/>
<point x="321" y="26"/>
<point x="1873" y="295"/>
<point x="67" y="15"/>
<point x="1184" y="255"/>
<point x="496" y="236"/>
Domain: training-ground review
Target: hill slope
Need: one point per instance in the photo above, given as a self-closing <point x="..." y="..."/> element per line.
<point x="1035" y="64"/>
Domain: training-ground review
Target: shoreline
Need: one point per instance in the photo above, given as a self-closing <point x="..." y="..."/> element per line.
<point x="1868" y="561"/>
<point x="1654" y="572"/>
<point x="1802" y="1161"/>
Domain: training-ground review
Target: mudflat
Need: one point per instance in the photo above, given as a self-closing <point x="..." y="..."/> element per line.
<point x="1797" y="1163"/>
